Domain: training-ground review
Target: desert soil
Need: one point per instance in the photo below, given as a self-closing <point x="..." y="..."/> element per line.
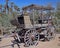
<point x="54" y="43"/>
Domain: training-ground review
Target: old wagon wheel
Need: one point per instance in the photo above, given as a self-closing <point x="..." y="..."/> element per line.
<point x="51" y="33"/>
<point x="31" y="37"/>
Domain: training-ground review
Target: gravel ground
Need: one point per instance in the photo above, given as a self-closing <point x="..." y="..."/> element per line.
<point x="54" y="43"/>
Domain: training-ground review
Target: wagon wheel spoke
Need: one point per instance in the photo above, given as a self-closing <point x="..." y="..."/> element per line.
<point x="26" y="38"/>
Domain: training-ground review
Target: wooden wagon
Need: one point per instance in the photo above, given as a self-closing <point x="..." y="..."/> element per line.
<point x="29" y="30"/>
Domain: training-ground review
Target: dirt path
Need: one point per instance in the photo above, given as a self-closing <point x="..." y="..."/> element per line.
<point x="6" y="42"/>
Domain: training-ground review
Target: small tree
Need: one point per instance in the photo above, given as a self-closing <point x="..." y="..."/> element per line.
<point x="58" y="10"/>
<point x="0" y="8"/>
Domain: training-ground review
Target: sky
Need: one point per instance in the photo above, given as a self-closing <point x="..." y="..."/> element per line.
<point x="22" y="3"/>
